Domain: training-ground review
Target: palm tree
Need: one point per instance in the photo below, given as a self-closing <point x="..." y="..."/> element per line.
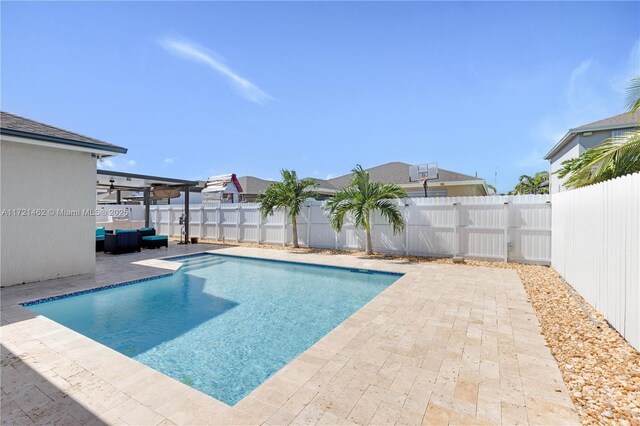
<point x="536" y="184"/>
<point x="617" y="156"/>
<point x="361" y="198"/>
<point x="633" y="95"/>
<point x="289" y="194"/>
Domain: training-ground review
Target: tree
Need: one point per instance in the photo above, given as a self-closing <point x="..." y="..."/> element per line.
<point x="360" y="199"/>
<point x="536" y="184"/>
<point x="617" y="156"/>
<point x="289" y="194"/>
<point x="633" y="95"/>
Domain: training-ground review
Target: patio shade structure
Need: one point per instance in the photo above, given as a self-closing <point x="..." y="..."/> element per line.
<point x="123" y="181"/>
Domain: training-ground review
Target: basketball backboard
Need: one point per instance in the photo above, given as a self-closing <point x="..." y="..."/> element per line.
<point x="422" y="172"/>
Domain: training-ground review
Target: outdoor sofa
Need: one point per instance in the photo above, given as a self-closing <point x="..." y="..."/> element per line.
<point x="122" y="241"/>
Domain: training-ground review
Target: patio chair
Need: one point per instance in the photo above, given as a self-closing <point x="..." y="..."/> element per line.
<point x="122" y="241"/>
<point x="100" y="233"/>
<point x="145" y="232"/>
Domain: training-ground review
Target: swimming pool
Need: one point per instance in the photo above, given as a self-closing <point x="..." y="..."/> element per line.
<point x="221" y="324"/>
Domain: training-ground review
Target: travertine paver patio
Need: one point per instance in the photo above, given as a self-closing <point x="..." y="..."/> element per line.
<point x="444" y="344"/>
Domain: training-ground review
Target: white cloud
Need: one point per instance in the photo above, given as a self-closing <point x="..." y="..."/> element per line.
<point x="116" y="163"/>
<point x="169" y="160"/>
<point x="593" y="91"/>
<point x="200" y="54"/>
<point x="575" y="82"/>
<point x="107" y="163"/>
<point x="620" y="80"/>
<point x="534" y="160"/>
<point x="330" y="176"/>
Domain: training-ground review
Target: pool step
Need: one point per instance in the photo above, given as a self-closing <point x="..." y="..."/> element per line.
<point x="199" y="259"/>
<point x="212" y="261"/>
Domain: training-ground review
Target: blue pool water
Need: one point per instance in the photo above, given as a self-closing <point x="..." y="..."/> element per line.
<point x="221" y="324"/>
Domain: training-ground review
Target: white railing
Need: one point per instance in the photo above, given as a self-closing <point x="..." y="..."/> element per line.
<point x="596" y="248"/>
<point x="497" y="228"/>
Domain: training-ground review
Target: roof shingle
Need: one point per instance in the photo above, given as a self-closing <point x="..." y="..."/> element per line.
<point x="398" y="172"/>
<point x="254" y="185"/>
<point x="16" y="125"/>
<point x="620" y="120"/>
<point x="394" y="172"/>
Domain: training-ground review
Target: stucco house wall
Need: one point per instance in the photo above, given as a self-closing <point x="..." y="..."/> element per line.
<point x="579" y="144"/>
<point x="38" y="243"/>
<point x="439" y="190"/>
<point x="572" y="150"/>
<point x="582" y="138"/>
<point x="465" y="190"/>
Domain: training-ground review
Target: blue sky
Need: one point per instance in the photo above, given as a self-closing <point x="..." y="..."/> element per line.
<point x="195" y="89"/>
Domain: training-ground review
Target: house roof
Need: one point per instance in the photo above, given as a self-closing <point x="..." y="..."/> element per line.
<point x="324" y="184"/>
<point x="398" y="172"/>
<point x="254" y="185"/>
<point x="14" y="125"/>
<point x="619" y="121"/>
<point x="134" y="181"/>
<point x="219" y="183"/>
<point x="394" y="172"/>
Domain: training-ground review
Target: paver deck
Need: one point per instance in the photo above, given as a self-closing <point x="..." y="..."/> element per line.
<point x="442" y="345"/>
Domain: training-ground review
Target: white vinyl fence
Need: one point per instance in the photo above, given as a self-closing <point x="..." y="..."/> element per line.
<point x="497" y="228"/>
<point x="596" y="248"/>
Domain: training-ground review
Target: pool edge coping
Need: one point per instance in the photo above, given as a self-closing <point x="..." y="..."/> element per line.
<point x="193" y="255"/>
<point x="251" y="409"/>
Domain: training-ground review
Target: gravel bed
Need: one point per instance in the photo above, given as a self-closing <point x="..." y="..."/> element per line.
<point x="600" y="369"/>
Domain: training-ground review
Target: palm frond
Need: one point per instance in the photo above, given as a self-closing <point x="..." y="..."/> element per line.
<point x="536" y="184"/>
<point x="340" y="205"/>
<point x="618" y="156"/>
<point x="633" y="95"/>
<point x="289" y="193"/>
<point x="390" y="211"/>
<point x="361" y="198"/>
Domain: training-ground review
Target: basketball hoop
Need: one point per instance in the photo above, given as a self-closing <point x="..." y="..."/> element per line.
<point x="423" y="173"/>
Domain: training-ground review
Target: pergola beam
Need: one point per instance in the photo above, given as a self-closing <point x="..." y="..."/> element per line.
<point x="136" y="182"/>
<point x="147" y="207"/>
<point x="186" y="214"/>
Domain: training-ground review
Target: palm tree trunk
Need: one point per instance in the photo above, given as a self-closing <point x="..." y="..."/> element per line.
<point x="367" y="230"/>
<point x="294" y="232"/>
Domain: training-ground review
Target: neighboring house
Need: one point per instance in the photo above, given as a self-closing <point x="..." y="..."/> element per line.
<point x="580" y="139"/>
<point x="253" y="186"/>
<point x="448" y="184"/>
<point x="48" y="193"/>
<point x="223" y="188"/>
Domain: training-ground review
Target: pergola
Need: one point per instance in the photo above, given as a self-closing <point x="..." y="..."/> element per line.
<point x="123" y="181"/>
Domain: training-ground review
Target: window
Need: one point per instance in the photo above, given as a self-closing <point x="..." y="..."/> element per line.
<point x="431" y="192"/>
<point x="619" y="132"/>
